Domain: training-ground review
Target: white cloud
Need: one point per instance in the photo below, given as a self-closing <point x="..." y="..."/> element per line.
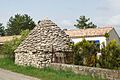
<point x="114" y="4"/>
<point x="109" y="5"/>
<point x="67" y="23"/>
<point x="109" y="13"/>
<point x="114" y="20"/>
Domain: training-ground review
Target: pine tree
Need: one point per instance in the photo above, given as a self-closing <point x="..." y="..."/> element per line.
<point x="19" y="23"/>
<point x="2" y="30"/>
<point x="83" y="23"/>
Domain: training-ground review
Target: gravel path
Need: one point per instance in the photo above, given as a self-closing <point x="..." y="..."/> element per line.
<point x="8" y="75"/>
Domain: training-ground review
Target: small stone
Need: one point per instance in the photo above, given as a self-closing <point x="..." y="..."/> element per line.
<point x="42" y="42"/>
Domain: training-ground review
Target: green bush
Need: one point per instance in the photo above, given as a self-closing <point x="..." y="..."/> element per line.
<point x="85" y="53"/>
<point x="78" y="60"/>
<point x="9" y="47"/>
<point x="110" y="56"/>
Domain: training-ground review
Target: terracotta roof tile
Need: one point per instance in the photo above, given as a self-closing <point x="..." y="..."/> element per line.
<point x="88" y="32"/>
<point x="7" y="38"/>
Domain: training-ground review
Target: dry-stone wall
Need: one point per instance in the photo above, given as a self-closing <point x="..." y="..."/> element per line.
<point x="95" y="72"/>
<point x="45" y="42"/>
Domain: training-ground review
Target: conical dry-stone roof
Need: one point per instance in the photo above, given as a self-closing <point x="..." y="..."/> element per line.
<point x="46" y="37"/>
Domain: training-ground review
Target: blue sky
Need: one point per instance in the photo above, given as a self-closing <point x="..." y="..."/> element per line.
<point x="64" y="12"/>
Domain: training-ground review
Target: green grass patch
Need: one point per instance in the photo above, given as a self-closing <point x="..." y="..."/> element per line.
<point x="44" y="74"/>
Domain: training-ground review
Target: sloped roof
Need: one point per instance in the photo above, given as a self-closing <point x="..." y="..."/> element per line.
<point x="7" y="38"/>
<point x="88" y="32"/>
<point x="46" y="36"/>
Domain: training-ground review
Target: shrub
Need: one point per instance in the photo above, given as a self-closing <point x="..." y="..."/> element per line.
<point x="110" y="56"/>
<point x="85" y="53"/>
<point x="9" y="47"/>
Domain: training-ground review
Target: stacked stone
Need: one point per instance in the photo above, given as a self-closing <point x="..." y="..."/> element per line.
<point x="37" y="49"/>
<point x="105" y="74"/>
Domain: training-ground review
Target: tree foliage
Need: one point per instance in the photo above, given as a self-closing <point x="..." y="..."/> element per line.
<point x="18" y="23"/>
<point x="85" y="53"/>
<point x="106" y="35"/>
<point x="83" y="23"/>
<point x="9" y="47"/>
<point x="2" y="30"/>
<point x="110" y="55"/>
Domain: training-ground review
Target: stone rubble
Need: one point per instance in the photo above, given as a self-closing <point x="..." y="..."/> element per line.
<point x="45" y="42"/>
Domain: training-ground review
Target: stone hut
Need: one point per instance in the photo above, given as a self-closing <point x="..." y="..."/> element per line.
<point x="45" y="44"/>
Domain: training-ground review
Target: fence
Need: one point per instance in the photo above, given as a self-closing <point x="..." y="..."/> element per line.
<point x="83" y="70"/>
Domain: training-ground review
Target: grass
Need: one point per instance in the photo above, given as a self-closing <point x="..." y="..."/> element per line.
<point x="43" y="74"/>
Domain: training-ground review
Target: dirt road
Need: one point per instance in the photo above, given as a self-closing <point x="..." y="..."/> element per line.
<point x="8" y="75"/>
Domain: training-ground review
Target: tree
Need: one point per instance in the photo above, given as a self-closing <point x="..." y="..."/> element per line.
<point x="110" y="56"/>
<point x="2" y="30"/>
<point x="83" y="23"/>
<point x="9" y="47"/>
<point x="19" y="23"/>
<point x="85" y="53"/>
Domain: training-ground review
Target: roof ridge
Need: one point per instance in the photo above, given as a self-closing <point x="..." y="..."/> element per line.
<point x="89" y="28"/>
<point x="108" y="27"/>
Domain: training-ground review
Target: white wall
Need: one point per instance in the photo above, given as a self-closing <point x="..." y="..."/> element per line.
<point x="101" y="39"/>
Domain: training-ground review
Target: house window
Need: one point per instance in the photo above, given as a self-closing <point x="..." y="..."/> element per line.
<point x="97" y="43"/>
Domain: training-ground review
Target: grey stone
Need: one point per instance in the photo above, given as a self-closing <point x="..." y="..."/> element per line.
<point x="42" y="42"/>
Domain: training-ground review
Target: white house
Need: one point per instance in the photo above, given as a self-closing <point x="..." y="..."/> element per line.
<point x="94" y="34"/>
